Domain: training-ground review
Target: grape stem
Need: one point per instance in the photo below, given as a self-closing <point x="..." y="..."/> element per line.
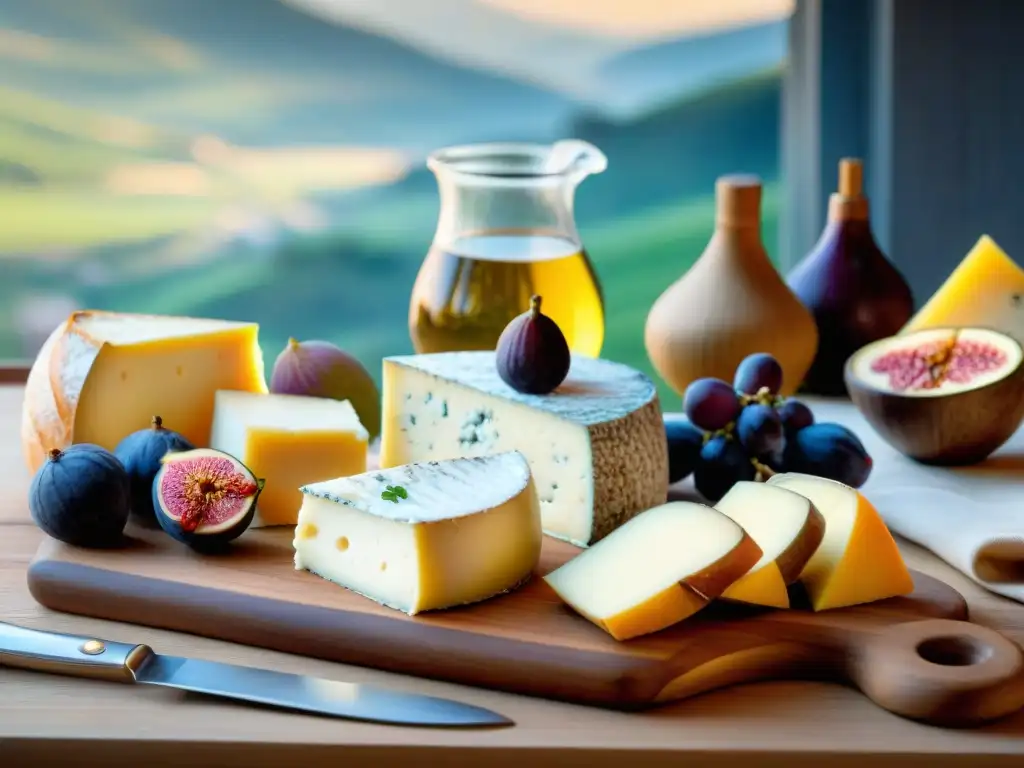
<point x="763" y="471"/>
<point x="762" y="397"/>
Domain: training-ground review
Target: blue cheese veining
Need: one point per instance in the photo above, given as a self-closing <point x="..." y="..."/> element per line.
<point x="596" y="445"/>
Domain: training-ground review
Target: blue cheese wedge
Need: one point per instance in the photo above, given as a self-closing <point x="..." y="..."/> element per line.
<point x="424" y="536"/>
<point x="596" y="445"/>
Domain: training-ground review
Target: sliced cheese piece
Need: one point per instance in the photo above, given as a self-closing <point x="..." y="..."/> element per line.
<point x="659" y="568"/>
<point x="986" y="290"/>
<point x="289" y="441"/>
<point x="788" y="529"/>
<point x="451" y="533"/>
<point x="596" y="445"/>
<point x="103" y="375"/>
<point x="858" y="560"/>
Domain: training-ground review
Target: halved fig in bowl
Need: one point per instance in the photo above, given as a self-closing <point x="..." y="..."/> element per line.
<point x="205" y="498"/>
<point x="948" y="396"/>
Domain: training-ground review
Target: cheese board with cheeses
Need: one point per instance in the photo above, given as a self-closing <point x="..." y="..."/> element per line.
<point x="516" y="529"/>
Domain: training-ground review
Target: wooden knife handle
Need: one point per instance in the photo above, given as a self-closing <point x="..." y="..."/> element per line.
<point x="60" y="654"/>
<point x="944" y="672"/>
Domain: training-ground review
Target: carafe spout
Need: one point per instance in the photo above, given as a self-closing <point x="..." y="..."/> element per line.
<point x="575" y="157"/>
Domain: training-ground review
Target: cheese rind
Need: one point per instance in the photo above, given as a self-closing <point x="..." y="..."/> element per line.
<point x="103" y="375"/>
<point x="984" y="290"/>
<point x="858" y="560"/>
<point x="659" y="568"/>
<point x="465" y="531"/>
<point x="596" y="445"/>
<point x="788" y="529"/>
<point x="289" y="441"/>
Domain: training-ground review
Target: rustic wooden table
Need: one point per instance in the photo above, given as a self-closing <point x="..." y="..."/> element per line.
<point x="62" y="721"/>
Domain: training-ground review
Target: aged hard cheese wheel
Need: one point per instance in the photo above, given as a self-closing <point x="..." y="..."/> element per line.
<point x="596" y="445"/>
<point x="289" y="441"/>
<point x="986" y="290"/>
<point x="102" y="375"/>
<point x="659" y="568"/>
<point x="858" y="560"/>
<point x="424" y="536"/>
<point x="788" y="529"/>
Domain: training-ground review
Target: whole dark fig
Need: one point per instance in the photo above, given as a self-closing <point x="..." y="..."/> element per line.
<point x="82" y="496"/>
<point x="140" y="453"/>
<point x="532" y="354"/>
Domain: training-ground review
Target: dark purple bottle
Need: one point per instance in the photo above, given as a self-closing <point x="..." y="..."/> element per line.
<point x="854" y="292"/>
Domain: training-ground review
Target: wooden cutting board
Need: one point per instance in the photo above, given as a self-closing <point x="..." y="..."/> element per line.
<point x="916" y="656"/>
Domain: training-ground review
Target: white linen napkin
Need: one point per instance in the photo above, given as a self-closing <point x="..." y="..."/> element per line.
<point x="972" y="517"/>
<point x="983" y="539"/>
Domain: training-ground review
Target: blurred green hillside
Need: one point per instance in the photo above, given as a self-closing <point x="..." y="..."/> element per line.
<point x="216" y="202"/>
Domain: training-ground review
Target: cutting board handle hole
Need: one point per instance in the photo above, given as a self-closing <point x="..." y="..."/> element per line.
<point x="954" y="651"/>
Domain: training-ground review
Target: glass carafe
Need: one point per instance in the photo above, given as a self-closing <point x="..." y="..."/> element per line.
<point x="505" y="232"/>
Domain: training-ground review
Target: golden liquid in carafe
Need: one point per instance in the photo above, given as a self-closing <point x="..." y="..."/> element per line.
<point x="465" y="295"/>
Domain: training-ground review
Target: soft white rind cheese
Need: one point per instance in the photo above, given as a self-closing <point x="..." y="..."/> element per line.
<point x="596" y="445"/>
<point x="466" y="530"/>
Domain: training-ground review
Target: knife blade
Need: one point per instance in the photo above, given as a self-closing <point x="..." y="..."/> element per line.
<point x="89" y="657"/>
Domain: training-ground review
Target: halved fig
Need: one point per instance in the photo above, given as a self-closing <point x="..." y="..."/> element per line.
<point x="205" y="498"/>
<point x="946" y="396"/>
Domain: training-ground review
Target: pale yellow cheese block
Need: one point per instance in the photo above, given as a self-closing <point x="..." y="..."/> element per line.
<point x="463" y="531"/>
<point x="288" y="441"/>
<point x="662" y="566"/>
<point x="858" y="560"/>
<point x="103" y="375"/>
<point x="985" y="290"/>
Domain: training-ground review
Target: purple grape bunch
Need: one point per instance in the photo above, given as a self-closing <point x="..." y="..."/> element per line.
<point x="746" y="430"/>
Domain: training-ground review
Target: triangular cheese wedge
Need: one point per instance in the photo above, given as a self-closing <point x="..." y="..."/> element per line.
<point x="657" y="569"/>
<point x="981" y="291"/>
<point x="858" y="560"/>
<point x="788" y="529"/>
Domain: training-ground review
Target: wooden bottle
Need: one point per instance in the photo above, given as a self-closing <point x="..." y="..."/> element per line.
<point x="855" y="293"/>
<point x="731" y="303"/>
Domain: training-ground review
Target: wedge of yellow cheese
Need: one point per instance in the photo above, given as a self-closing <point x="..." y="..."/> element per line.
<point x="858" y="560"/>
<point x="986" y="289"/>
<point x="657" y="569"/>
<point x="788" y="529"/>
<point x="103" y="375"/>
<point x="289" y="441"/>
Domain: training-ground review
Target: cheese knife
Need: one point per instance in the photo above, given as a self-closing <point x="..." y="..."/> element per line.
<point x="55" y="653"/>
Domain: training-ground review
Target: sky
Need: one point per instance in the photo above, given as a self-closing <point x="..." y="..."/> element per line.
<point x="556" y="44"/>
<point x="643" y="20"/>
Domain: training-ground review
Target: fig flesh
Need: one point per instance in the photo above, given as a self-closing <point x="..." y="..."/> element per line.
<point x="532" y="354"/>
<point x="140" y="453"/>
<point x="81" y="496"/>
<point x="321" y="369"/>
<point x="946" y="396"/>
<point x="205" y="498"/>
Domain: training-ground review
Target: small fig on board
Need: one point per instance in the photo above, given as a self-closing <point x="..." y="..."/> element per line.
<point x="532" y="354"/>
<point x="205" y="498"/>
<point x="321" y="369"/>
<point x="140" y="453"/>
<point x="81" y="496"/>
